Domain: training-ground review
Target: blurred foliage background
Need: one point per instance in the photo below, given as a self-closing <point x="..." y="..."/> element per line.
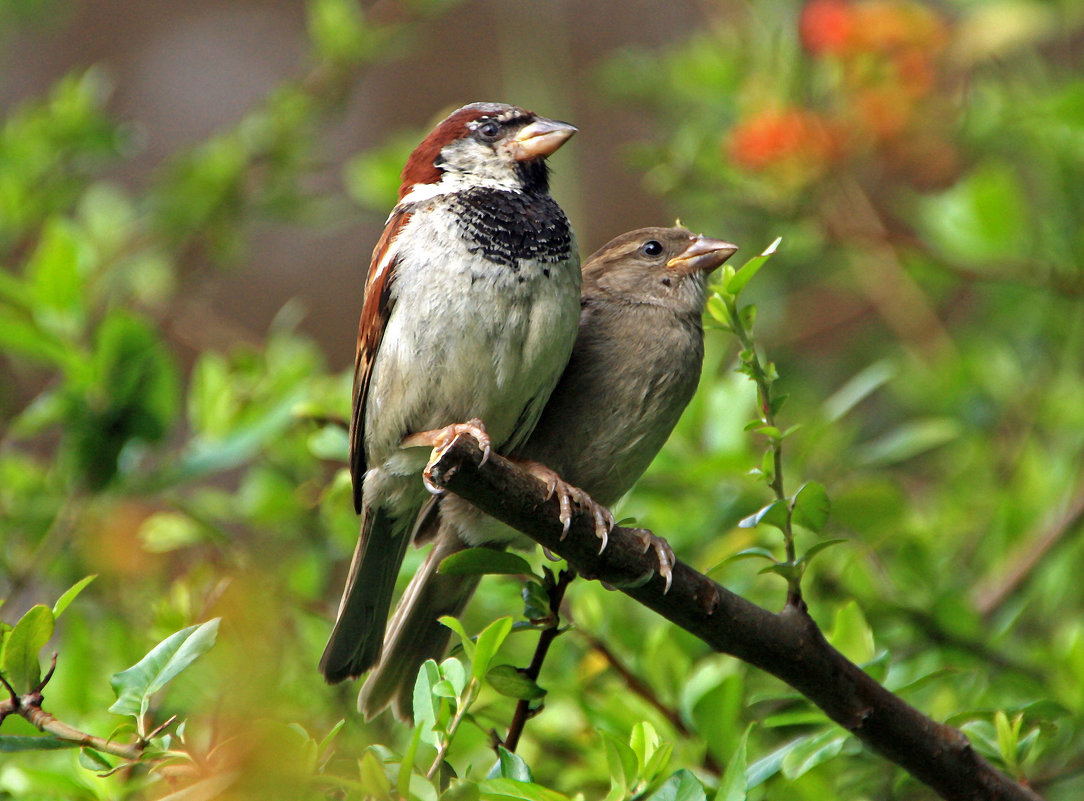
<point x="188" y="196"/>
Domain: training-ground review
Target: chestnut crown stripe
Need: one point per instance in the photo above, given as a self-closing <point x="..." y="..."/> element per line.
<point x="421" y="167"/>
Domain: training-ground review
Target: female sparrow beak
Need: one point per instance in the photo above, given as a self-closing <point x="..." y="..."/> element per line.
<point x="702" y="255"/>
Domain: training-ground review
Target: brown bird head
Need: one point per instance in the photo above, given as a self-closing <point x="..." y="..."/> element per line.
<point x="490" y="145"/>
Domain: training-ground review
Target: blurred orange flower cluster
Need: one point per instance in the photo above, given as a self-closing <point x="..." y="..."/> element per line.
<point x="887" y="57"/>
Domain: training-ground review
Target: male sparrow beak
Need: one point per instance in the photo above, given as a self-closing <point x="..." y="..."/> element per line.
<point x="540" y="138"/>
<point x="702" y="255"/>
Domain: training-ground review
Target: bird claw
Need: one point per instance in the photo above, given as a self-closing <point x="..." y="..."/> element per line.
<point x="566" y="496"/>
<point x="663" y="552"/>
<point x="440" y="439"/>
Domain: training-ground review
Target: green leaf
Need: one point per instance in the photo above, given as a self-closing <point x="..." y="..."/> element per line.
<point x="163" y="532"/>
<point x="774" y="514"/>
<point x="452" y="671"/>
<point x="464" y="638"/>
<point x="425" y="706"/>
<point x="813" y="751"/>
<point x="718" y="310"/>
<point x="137" y="684"/>
<point x="54" y="273"/>
<point x="70" y="594"/>
<point x="20" y="664"/>
<point x="536" y="602"/>
<point x="811" y="506"/>
<point x="622" y="763"/>
<point x="815" y="549"/>
<point x="22" y="338"/>
<point x="681" y="786"/>
<point x="1008" y="736"/>
<point x="10" y="743"/>
<point x="732" y="787"/>
<point x="92" y="760"/>
<point x="491" y="639"/>
<point x="374" y="782"/>
<point x="851" y="634"/>
<point x="510" y="766"/>
<point x="502" y="789"/>
<point x="510" y="682"/>
<point x="910" y="440"/>
<point x="983" y="218"/>
<point x="484" y="561"/>
<point x="751" y="268"/>
<point x="861" y="386"/>
<point x="766" y="767"/>
<point x="752" y="553"/>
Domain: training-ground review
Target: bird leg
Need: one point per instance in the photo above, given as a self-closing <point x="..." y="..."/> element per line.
<point x="440" y="439"/>
<point x="566" y="495"/>
<point x="663" y="552"/>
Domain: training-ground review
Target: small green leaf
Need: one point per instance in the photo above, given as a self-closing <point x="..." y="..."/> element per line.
<point x="752" y="553"/>
<point x="484" y="561"/>
<point x="491" y="639"/>
<point x="510" y="766"/>
<point x="1008" y="736"/>
<point x="374" y="782"/>
<point x="743" y="276"/>
<point x="643" y="740"/>
<point x="777" y="404"/>
<point x="682" y="785"/>
<point x="510" y="682"/>
<point x="813" y="751"/>
<point x="748" y="316"/>
<point x="823" y="545"/>
<point x="137" y="684"/>
<point x="452" y="671"/>
<point x="163" y="532"/>
<point x="851" y="634"/>
<point x="70" y="594"/>
<point x="717" y="309"/>
<point x="788" y="570"/>
<point x="20" y="664"/>
<point x="811" y="506"/>
<point x="54" y="271"/>
<point x="732" y="787"/>
<point x="501" y="789"/>
<point x="622" y="763"/>
<point x="92" y="760"/>
<point x="774" y="514"/>
<point x="536" y="603"/>
<point x="464" y="638"/>
<point x="424" y="705"/>
<point x="12" y="743"/>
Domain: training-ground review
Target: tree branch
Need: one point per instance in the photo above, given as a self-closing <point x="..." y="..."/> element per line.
<point x="789" y="645"/>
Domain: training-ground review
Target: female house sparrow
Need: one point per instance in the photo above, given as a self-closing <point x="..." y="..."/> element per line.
<point x="634" y="368"/>
<point x="470" y="311"/>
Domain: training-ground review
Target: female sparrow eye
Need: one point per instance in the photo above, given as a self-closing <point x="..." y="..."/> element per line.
<point x="651" y="248"/>
<point x="488" y="130"/>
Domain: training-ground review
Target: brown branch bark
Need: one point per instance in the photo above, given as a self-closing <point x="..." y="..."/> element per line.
<point x="789" y="645"/>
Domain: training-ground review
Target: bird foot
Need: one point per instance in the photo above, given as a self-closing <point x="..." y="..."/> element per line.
<point x="663" y="552"/>
<point x="440" y="439"/>
<point x="566" y="496"/>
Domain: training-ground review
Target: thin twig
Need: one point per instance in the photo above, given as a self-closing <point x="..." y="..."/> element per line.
<point x="523" y="709"/>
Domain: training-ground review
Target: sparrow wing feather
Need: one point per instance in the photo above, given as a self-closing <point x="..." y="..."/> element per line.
<point x="375" y="310"/>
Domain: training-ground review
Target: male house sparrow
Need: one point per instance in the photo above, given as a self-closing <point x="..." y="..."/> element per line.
<point x="634" y="368"/>
<point x="470" y="312"/>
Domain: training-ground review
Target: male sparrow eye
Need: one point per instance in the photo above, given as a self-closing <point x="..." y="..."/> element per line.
<point x="651" y="248"/>
<point x="489" y="130"/>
